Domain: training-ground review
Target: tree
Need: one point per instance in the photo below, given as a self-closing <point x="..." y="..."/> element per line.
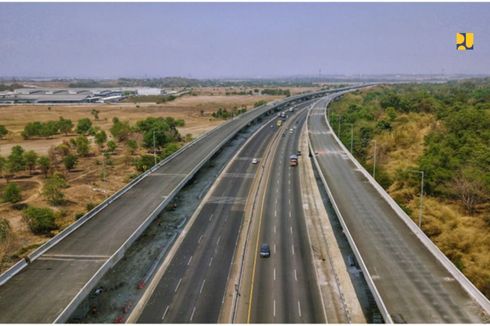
<point x="5" y="230"/>
<point x="12" y="193"/>
<point x="132" y="146"/>
<point x="84" y="126"/>
<point x="470" y="188"/>
<point x="111" y="146"/>
<point x="16" y="161"/>
<point x="52" y="189"/>
<point x="3" y="131"/>
<point x="40" y="220"/>
<point x="120" y="130"/>
<point x="95" y="113"/>
<point x="44" y="164"/>
<point x="3" y="165"/>
<point x="82" y="145"/>
<point x="100" y="138"/>
<point x="65" y="125"/>
<point x="70" y="161"/>
<point x="30" y="158"/>
<point x="144" y="163"/>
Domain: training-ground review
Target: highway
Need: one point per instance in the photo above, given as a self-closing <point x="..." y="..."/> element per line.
<point x="414" y="286"/>
<point x="193" y="285"/>
<point x="284" y="287"/>
<point x="48" y="288"/>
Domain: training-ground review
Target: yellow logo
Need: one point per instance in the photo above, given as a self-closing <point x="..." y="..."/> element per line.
<point x="464" y="41"/>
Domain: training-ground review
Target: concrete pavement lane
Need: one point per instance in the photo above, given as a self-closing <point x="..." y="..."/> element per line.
<point x="414" y="286"/>
<point x="193" y="285"/>
<point x="284" y="286"/>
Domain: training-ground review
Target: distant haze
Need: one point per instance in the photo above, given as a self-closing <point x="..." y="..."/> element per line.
<point x="253" y="40"/>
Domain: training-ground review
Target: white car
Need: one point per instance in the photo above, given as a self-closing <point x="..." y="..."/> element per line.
<point x="255" y="161"/>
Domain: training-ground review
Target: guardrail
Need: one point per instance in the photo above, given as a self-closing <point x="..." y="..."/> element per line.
<point x="251" y="115"/>
<point x="377" y="297"/>
<point x="469" y="287"/>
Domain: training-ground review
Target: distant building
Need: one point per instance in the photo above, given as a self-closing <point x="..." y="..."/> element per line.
<point x="148" y="91"/>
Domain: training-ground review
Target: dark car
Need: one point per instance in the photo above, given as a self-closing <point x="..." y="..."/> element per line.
<point x="298" y="153"/>
<point x="265" y="250"/>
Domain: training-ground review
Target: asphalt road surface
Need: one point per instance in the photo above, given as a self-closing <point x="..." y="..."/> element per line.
<point x="193" y="286"/>
<point x="284" y="286"/>
<point x="414" y="286"/>
<point x="42" y="290"/>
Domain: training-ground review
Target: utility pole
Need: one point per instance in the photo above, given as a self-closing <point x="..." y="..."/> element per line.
<point x="154" y="149"/>
<point x="374" y="163"/>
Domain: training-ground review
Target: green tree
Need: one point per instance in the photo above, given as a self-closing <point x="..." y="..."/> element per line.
<point x="120" y="130"/>
<point x="70" y="161"/>
<point x="82" y="145"/>
<point x="111" y="146"/>
<point x="5" y="230"/>
<point x="84" y="126"/>
<point x="12" y="193"/>
<point x="3" y="131"/>
<point x="65" y="125"/>
<point x="100" y="138"/>
<point x="40" y="220"/>
<point x="3" y="165"/>
<point x="44" y="164"/>
<point x="144" y="162"/>
<point x="30" y="158"/>
<point x="16" y="161"/>
<point x="132" y="146"/>
<point x="53" y="189"/>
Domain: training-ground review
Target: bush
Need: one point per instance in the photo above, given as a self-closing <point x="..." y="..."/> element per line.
<point x="84" y="126"/>
<point x="5" y="230"/>
<point x="12" y="194"/>
<point x="70" y="161"/>
<point x="52" y="189"/>
<point x="3" y="131"/>
<point x="40" y="220"/>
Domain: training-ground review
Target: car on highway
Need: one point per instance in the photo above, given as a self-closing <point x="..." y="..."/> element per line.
<point x="298" y="153"/>
<point x="265" y="250"/>
<point x="255" y="161"/>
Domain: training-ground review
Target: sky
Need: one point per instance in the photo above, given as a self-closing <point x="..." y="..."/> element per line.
<point x="240" y="40"/>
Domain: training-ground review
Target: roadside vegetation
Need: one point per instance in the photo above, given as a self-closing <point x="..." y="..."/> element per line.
<point x="444" y="131"/>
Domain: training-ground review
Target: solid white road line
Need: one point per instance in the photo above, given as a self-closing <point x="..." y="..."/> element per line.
<point x="193" y="311"/>
<point x="165" y="313"/>
<point x="189" y="262"/>
<point x="202" y="286"/>
<point x="178" y="284"/>
<point x="299" y="308"/>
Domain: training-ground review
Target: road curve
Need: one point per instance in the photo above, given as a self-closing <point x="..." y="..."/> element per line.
<point x="414" y="286"/>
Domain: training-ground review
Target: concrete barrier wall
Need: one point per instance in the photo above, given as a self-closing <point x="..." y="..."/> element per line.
<point x="469" y="287"/>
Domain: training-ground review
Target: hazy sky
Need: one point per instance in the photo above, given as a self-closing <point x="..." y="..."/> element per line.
<point x="240" y="39"/>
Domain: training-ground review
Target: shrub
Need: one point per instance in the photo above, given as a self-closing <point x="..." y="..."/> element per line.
<point x="40" y="220"/>
<point x="84" y="126"/>
<point x="5" y="229"/>
<point x="70" y="161"/>
<point x="12" y="193"/>
<point x="52" y="189"/>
